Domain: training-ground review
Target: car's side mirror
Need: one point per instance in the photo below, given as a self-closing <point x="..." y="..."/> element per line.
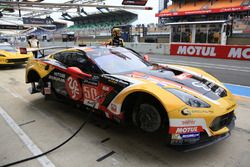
<point x="146" y="57"/>
<point x="78" y="72"/>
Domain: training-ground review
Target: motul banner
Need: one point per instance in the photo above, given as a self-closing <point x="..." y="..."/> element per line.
<point x="205" y="11"/>
<point x="233" y="52"/>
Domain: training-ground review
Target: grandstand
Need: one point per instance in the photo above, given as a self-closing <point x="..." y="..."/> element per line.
<point x="103" y="20"/>
<point x="97" y="26"/>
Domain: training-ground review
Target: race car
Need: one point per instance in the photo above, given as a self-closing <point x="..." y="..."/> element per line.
<point x="189" y="105"/>
<point x="10" y="56"/>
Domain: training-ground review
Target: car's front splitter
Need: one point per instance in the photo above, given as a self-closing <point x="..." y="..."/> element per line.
<point x="204" y="140"/>
<point x="202" y="144"/>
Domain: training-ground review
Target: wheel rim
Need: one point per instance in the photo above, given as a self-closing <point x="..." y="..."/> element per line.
<point x="149" y="118"/>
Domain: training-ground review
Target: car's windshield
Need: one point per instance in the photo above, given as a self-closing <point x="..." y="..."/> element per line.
<point x="117" y="60"/>
<point x="7" y="48"/>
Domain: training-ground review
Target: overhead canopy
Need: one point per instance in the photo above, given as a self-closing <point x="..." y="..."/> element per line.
<point x="205" y="7"/>
<point x="116" y="14"/>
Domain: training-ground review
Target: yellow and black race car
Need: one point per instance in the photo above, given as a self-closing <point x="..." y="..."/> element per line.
<point x="188" y="104"/>
<point x="10" y="56"/>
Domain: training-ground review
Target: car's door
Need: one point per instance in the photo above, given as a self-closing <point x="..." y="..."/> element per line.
<point x="58" y="76"/>
<point x="85" y="88"/>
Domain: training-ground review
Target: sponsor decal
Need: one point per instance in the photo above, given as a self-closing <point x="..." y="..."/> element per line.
<point x="91" y="103"/>
<point x="188" y="122"/>
<point x="220" y="91"/>
<point x="176" y="139"/>
<point x="90" y="82"/>
<point x="209" y="86"/>
<point x="106" y="88"/>
<point x="191" y="135"/>
<point x="179" y="139"/>
<point x="186" y="111"/>
<point x="57" y="76"/>
<point x="199" y="124"/>
<point x="162" y="82"/>
<point x="116" y="81"/>
<point x="185" y="130"/>
<point x="73" y="87"/>
<point x="211" y="51"/>
<point x="183" y="76"/>
<point x="113" y="107"/>
<point x="201" y="85"/>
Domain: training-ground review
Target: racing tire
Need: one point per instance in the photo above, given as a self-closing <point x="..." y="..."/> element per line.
<point x="148" y="118"/>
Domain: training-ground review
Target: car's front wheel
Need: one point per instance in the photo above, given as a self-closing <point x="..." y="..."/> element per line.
<point x="147" y="117"/>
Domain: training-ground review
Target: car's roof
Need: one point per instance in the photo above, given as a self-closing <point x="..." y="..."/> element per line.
<point x="99" y="47"/>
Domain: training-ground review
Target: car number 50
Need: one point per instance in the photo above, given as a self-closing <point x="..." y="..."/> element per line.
<point x="90" y="93"/>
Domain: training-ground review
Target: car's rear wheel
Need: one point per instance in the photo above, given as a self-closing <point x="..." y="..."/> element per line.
<point x="147" y="117"/>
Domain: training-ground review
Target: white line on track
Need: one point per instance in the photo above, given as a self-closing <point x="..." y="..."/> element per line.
<point x="200" y="63"/>
<point x="195" y="64"/>
<point x="44" y="161"/>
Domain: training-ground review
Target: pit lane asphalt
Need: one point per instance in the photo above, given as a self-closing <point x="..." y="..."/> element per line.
<point x="227" y="71"/>
<point x="47" y="123"/>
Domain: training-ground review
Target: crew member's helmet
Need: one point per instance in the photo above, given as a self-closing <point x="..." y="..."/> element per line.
<point x="116" y="32"/>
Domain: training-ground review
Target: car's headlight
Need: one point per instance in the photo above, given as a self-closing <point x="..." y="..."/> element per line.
<point x="189" y="99"/>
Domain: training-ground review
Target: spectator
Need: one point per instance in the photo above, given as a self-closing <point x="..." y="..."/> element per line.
<point x="34" y="43"/>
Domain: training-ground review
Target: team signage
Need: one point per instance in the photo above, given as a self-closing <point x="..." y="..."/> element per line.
<point x="11" y="27"/>
<point x="236" y="52"/>
<point x="29" y="20"/>
<point x="135" y="2"/>
<point x="205" y="11"/>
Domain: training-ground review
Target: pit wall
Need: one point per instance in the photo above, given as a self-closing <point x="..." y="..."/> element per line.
<point x="145" y="48"/>
<point x="150" y="48"/>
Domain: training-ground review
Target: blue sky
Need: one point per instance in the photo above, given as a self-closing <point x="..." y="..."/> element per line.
<point x="144" y="16"/>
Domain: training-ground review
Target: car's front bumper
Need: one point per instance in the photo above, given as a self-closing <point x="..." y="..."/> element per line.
<point x="14" y="61"/>
<point x="204" y="140"/>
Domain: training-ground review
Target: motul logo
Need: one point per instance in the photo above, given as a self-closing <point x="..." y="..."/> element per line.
<point x="196" y="50"/>
<point x="239" y="53"/>
<point x="211" y="51"/>
<point x="185" y="130"/>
